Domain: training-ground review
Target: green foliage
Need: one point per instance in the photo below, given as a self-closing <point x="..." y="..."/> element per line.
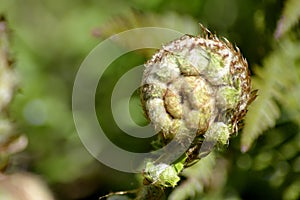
<point x="290" y="17"/>
<point x="195" y="181"/>
<point x="50" y="40"/>
<point x="264" y="111"/>
<point x="278" y="83"/>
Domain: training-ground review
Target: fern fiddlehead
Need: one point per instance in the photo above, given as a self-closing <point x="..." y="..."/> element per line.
<point x="195" y="84"/>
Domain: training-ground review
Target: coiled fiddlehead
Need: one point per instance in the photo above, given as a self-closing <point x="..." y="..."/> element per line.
<point x="195" y="84"/>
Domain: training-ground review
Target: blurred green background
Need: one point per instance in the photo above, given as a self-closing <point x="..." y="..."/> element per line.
<point x="51" y="38"/>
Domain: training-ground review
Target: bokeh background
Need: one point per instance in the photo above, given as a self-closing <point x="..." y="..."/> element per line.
<point x="51" y="38"/>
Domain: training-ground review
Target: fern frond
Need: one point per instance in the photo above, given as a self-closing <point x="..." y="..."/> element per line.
<point x="291" y="98"/>
<point x="290" y="16"/>
<point x="275" y="81"/>
<point x="197" y="176"/>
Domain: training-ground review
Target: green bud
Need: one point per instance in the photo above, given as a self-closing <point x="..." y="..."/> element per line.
<point x="162" y="174"/>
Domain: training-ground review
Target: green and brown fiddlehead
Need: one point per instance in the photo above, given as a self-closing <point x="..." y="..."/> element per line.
<point x="195" y="91"/>
<point x="194" y="88"/>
